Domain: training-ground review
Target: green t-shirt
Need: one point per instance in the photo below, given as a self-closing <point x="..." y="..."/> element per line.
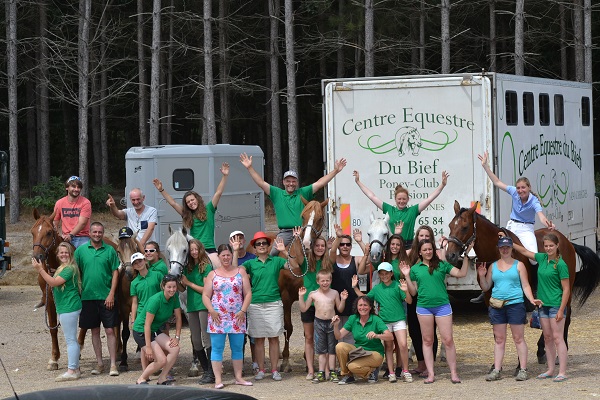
<point x="160" y="307"/>
<point x="204" y="231"/>
<point x="407" y="215"/>
<point x="288" y="207"/>
<point x="395" y="268"/>
<point x="310" y="278"/>
<point x="390" y="298"/>
<point x="431" y="289"/>
<point x="194" y="299"/>
<point x="549" y="276"/>
<point x="66" y="296"/>
<point x="159" y="267"/>
<point x="359" y="332"/>
<point x="264" y="278"/>
<point x="144" y="287"/>
<point x="96" y="267"/>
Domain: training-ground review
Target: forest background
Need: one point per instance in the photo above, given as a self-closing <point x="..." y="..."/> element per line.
<point x="83" y="81"/>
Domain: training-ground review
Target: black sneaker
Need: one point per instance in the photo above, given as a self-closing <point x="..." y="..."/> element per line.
<point x="373" y="376"/>
<point x="346" y="380"/>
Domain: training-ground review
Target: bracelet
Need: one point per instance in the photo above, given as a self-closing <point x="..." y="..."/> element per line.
<point x="177" y="337"/>
<point x="162" y="190"/>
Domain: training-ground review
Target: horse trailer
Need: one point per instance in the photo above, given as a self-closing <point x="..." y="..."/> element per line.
<point x="407" y="130"/>
<point x="183" y="168"/>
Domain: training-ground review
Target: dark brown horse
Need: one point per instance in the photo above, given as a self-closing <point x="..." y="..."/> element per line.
<point x="467" y="226"/>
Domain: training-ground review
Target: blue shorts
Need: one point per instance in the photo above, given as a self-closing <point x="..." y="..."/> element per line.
<point x="514" y="314"/>
<point x="550" y="312"/>
<point x="439" y="311"/>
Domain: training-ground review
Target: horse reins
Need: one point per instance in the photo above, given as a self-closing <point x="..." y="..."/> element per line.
<point x="317" y="234"/>
<point x="46" y="251"/>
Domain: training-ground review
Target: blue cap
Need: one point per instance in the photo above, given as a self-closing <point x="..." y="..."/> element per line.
<point x="385" y="266"/>
<point x="505" y="241"/>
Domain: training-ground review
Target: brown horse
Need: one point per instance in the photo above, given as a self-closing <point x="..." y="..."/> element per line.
<point x="468" y="226"/>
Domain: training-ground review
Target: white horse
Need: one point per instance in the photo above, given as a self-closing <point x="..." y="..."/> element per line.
<point x="379" y="233"/>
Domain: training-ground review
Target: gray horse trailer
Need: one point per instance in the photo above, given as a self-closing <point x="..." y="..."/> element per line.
<point x="182" y="168"/>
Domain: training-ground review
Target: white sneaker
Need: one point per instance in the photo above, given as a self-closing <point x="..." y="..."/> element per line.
<point x="276" y="376"/>
<point x="67" y="377"/>
<point x="407" y="377"/>
<point x="259" y="375"/>
<point x="392" y="378"/>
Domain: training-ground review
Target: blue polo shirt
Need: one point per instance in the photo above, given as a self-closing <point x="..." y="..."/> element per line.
<point x="524" y="212"/>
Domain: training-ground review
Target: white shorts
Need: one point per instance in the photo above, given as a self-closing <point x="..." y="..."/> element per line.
<point x="525" y="233"/>
<point x="265" y="320"/>
<point x="396" y="326"/>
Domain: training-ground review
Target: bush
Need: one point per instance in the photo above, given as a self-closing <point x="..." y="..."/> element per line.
<point x="99" y="194"/>
<point x="45" y="195"/>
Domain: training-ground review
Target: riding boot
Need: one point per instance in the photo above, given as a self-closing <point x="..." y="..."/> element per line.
<point x="208" y="376"/>
<point x="193" y="372"/>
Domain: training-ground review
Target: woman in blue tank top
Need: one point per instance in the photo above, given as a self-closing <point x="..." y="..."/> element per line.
<point x="509" y="279"/>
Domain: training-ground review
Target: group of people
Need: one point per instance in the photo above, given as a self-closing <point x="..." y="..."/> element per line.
<point x="233" y="293"/>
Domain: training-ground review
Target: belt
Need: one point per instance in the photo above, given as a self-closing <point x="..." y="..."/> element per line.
<point x="285" y="229"/>
<point x="521" y="222"/>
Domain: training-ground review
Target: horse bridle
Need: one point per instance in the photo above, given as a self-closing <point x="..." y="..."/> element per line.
<point x="458" y="242"/>
<point x="317" y="234"/>
<point x="46" y="251"/>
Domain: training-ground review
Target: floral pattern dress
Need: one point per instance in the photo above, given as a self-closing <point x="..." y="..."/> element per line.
<point x="227" y="300"/>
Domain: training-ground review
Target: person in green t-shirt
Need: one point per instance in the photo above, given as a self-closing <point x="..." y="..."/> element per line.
<point x="554" y="291"/>
<point x="427" y="278"/>
<point x="287" y="202"/>
<point x="193" y="278"/>
<point x="159" y="350"/>
<point x="401" y="212"/>
<point x="156" y="259"/>
<point x="198" y="217"/>
<point x="66" y="286"/>
<point x="368" y="330"/>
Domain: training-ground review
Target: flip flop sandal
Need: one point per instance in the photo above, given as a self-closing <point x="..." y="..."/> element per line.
<point x="559" y="378"/>
<point x="543" y="376"/>
<point x="428" y="382"/>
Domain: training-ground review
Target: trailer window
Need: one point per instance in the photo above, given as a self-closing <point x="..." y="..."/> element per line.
<point x="183" y="179"/>
<point x="544" y="109"/>
<point x="528" y="113"/>
<point x="559" y="110"/>
<point x="585" y="111"/>
<point x="512" y="110"/>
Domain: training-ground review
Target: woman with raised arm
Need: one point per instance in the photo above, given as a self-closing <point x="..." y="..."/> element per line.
<point x="402" y="212"/>
<point x="553" y="293"/>
<point x="198" y="217"/>
<point x="427" y="279"/>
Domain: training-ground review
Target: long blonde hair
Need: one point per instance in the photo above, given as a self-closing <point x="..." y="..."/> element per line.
<point x="69" y="264"/>
<point x="203" y="259"/>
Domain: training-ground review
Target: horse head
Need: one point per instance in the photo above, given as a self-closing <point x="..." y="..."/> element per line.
<point x="45" y="239"/>
<point x="313" y="219"/>
<point x="379" y="233"/>
<point x="463" y="229"/>
<point x="126" y="247"/>
<point x="178" y="249"/>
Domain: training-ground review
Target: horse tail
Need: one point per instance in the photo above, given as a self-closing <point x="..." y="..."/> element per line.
<point x="588" y="278"/>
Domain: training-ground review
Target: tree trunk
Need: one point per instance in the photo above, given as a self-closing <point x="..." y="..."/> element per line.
<point x="169" y="94"/>
<point x="155" y="74"/>
<point x="341" y="39"/>
<point x="44" y="113"/>
<point x="96" y="142"/>
<point x="103" y="96"/>
<point x="578" y="41"/>
<point x="85" y="11"/>
<point x="493" y="43"/>
<point x="369" y="38"/>
<point x="209" y="129"/>
<point x="422" y="16"/>
<point x="11" y="81"/>
<point x="224" y="73"/>
<point x="290" y="67"/>
<point x="445" y="35"/>
<point x="519" y="40"/>
<point x="564" y="60"/>
<point x="275" y="118"/>
<point x="142" y="96"/>
<point x="587" y="40"/>
<point x="32" y="146"/>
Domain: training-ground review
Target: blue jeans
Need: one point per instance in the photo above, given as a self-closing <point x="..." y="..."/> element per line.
<point x="79" y="240"/>
<point x="68" y="321"/>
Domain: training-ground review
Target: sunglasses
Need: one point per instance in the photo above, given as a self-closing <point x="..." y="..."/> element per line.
<point x="261" y="243"/>
<point x="150" y="251"/>
<point x="74" y="178"/>
<point x="345" y="244"/>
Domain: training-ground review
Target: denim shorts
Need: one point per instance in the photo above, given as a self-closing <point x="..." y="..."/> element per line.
<point x="514" y="314"/>
<point x="439" y="311"/>
<point x="550" y="312"/>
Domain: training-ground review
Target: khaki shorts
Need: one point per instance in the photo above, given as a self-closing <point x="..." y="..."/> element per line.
<point x="265" y="320"/>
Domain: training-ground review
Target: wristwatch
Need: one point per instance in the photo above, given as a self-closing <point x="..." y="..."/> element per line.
<point x="177" y="337"/>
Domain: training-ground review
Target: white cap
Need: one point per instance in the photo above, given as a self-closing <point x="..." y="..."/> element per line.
<point x="137" y="256"/>
<point x="291" y="173"/>
<point x="236" y="233"/>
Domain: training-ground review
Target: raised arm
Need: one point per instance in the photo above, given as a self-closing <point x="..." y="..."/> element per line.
<point x="545" y="220"/>
<point x="336" y="243"/>
<point x="340" y="301"/>
<point x="110" y="202"/>
<point x="462" y="272"/>
<point x="425" y="203"/>
<point x="52" y="281"/>
<point x="485" y="164"/>
<point x="485" y="277"/>
<point x="159" y="186"/>
<point x="339" y="166"/>
<point x="304" y="305"/>
<point x="247" y="162"/>
<point x="337" y="332"/>
<point x="368" y="192"/>
<point x="221" y="187"/>
<point x="357" y="235"/>
<point x="410" y="285"/>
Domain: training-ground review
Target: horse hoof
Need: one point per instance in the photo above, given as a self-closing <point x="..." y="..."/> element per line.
<point x="123" y="367"/>
<point x="52" y="366"/>
<point x="193" y="372"/>
<point x="542" y="359"/>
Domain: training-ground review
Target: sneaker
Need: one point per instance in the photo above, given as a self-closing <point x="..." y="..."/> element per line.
<point x="259" y="375"/>
<point x="276" y="376"/>
<point x="98" y="370"/>
<point x="522" y="375"/>
<point x="310" y="376"/>
<point x="255" y="368"/>
<point x="346" y="380"/>
<point x="373" y="377"/>
<point x="392" y="378"/>
<point x="67" y="377"/>
<point x="478" y="299"/>
<point x="334" y="377"/>
<point x="494" y="375"/>
<point x="319" y="377"/>
<point x="113" y="371"/>
<point x="407" y="376"/>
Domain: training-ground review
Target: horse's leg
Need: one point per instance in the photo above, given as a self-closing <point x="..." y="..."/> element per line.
<point x="81" y="338"/>
<point x="53" y="323"/>
<point x="123" y="366"/>
<point x="289" y="328"/>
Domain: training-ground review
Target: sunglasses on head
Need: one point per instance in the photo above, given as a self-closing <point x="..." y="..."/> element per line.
<point x="150" y="250"/>
<point x="345" y="244"/>
<point x="261" y="243"/>
<point x="74" y="178"/>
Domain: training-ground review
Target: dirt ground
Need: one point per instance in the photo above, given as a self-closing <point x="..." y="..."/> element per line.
<point x="25" y="349"/>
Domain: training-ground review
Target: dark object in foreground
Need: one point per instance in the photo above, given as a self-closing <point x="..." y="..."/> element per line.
<point x="132" y="392"/>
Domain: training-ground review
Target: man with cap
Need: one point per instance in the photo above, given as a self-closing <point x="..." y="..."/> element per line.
<point x="73" y="213"/>
<point x="287" y="203"/>
<point x="140" y="217"/>
<point x="243" y="255"/>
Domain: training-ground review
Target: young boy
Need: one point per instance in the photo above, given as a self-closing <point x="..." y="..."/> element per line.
<point x="390" y="295"/>
<point x="326" y="300"/>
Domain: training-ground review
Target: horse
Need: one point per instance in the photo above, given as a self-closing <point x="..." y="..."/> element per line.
<point x="468" y="226"/>
<point x="178" y="249"/>
<point x="379" y="233"/>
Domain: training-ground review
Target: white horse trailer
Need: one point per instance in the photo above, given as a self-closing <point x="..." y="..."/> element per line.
<point x="407" y="130"/>
<point x="193" y="167"/>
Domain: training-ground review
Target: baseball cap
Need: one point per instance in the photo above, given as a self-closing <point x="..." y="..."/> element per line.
<point x="234" y="233"/>
<point x="385" y="266"/>
<point x="505" y="241"/>
<point x="137" y="256"/>
<point x="291" y="173"/>
<point x="125" y="232"/>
